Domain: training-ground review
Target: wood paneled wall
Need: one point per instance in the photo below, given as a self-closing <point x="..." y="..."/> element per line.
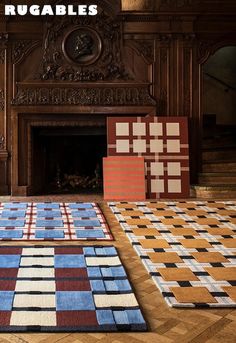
<point x="150" y="63"/>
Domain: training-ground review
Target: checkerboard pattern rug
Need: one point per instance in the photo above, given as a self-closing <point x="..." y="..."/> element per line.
<point x="52" y="221"/>
<point x="66" y="288"/>
<point x="189" y="248"/>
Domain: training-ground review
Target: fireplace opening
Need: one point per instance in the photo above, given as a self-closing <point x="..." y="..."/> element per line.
<point x="68" y="159"/>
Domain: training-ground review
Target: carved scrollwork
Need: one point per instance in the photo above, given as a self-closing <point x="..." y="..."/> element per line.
<point x="144" y="48"/>
<point x="2" y="142"/>
<point x="2" y="99"/>
<point x="107" y="65"/>
<point x="206" y="48"/>
<point x="118" y="96"/>
<point x="21" y="48"/>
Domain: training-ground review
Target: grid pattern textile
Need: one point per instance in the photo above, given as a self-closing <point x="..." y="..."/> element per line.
<point x="66" y="288"/>
<point x="52" y="221"/>
<point x="124" y="178"/>
<point x="163" y="142"/>
<point x="189" y="248"/>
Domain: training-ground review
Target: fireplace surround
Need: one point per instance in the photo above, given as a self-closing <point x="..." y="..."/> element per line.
<point x="28" y="165"/>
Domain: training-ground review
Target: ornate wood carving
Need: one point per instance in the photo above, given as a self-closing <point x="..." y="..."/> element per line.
<point x="3" y="41"/>
<point x="208" y="47"/>
<point x="22" y="48"/>
<point x="2" y="142"/>
<point x="113" y="96"/>
<point x="109" y="65"/>
<point x="2" y="100"/>
<point x="144" y="48"/>
<point x="2" y="55"/>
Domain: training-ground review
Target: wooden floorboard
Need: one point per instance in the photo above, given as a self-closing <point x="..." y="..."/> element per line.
<point x="165" y="324"/>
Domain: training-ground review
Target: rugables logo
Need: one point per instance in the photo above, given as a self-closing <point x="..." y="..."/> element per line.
<point x="36" y="10"/>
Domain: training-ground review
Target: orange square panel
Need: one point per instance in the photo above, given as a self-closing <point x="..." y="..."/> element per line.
<point x="185" y="204"/>
<point x="218" y="231"/>
<point x="146" y="232"/>
<point x="163" y="213"/>
<point x="154" y="243"/>
<point x="156" y="205"/>
<point x="195" y="243"/>
<point x="222" y="273"/>
<point x="209" y="257"/>
<point x="177" y="274"/>
<point x="132" y="213"/>
<point x="183" y="232"/>
<point x="165" y="257"/>
<point x="231" y="291"/>
<point x="138" y="221"/>
<point x="192" y="295"/>
<point x="207" y="221"/>
<point x="127" y="206"/>
<point x="226" y="212"/>
<point x="124" y="178"/>
<point x="228" y="242"/>
<point x="216" y="204"/>
<point x="194" y="213"/>
<point x="173" y="221"/>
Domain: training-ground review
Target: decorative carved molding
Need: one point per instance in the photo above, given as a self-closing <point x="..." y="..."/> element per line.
<point x="210" y="46"/>
<point x="2" y="100"/>
<point x="204" y="50"/>
<point x="109" y="65"/>
<point x="3" y="41"/>
<point x="22" y="48"/>
<point x="144" y="48"/>
<point x="104" y="96"/>
<point x="2" y="55"/>
<point x="2" y="142"/>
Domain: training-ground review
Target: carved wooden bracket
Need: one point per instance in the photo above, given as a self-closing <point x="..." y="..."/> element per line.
<point x="22" y="48"/>
<point x="206" y="48"/>
<point x="144" y="48"/>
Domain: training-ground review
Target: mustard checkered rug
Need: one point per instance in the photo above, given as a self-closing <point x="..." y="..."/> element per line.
<point x="189" y="248"/>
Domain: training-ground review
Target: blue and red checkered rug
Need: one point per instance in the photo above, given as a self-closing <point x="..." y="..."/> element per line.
<point x="52" y="221"/>
<point x="66" y="288"/>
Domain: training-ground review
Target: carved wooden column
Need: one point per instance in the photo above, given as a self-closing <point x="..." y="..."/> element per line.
<point x="3" y="117"/>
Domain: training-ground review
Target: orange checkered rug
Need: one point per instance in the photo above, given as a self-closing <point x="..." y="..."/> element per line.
<point x="189" y="248"/>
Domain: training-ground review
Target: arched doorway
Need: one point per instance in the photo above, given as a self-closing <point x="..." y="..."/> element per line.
<point x="219" y="120"/>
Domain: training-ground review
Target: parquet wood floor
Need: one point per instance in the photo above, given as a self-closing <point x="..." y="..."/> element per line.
<point x="165" y="324"/>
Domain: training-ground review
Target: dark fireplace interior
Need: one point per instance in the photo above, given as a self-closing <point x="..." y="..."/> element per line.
<point x="68" y="159"/>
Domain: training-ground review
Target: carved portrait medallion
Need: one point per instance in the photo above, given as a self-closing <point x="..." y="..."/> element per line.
<point x="82" y="45"/>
